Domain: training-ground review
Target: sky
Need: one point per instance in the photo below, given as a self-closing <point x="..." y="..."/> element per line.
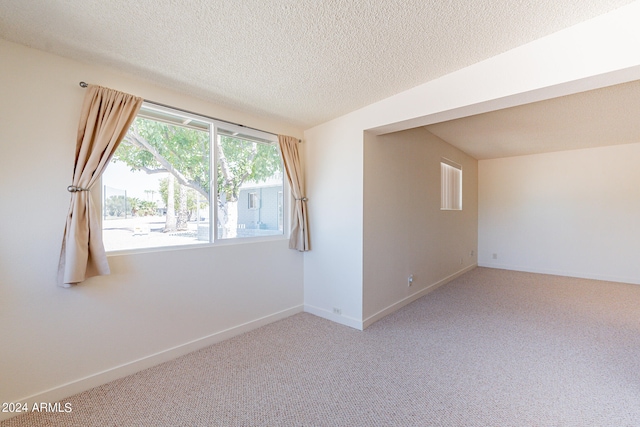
<point x="119" y="176"/>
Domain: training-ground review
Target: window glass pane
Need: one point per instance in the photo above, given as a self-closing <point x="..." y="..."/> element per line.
<point x="249" y="169"/>
<point x="451" y="187"/>
<point x="156" y="188"/>
<point x="253" y="200"/>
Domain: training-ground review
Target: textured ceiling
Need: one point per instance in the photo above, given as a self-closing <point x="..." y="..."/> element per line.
<point x="607" y="116"/>
<point x="303" y="61"/>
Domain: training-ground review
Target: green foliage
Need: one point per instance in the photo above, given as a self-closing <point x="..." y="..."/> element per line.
<point x="192" y="197"/>
<point x="245" y="161"/>
<point x="155" y="147"/>
<point x="164" y="147"/>
<point x="143" y="207"/>
<point x="115" y="206"/>
<point x="135" y="157"/>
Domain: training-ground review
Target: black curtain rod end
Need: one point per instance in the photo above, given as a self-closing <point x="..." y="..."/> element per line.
<point x="83" y="84"/>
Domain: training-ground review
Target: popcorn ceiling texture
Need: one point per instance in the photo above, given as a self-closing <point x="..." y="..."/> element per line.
<point x="303" y="61"/>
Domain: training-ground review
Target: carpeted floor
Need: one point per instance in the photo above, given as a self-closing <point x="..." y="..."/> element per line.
<point x="491" y="348"/>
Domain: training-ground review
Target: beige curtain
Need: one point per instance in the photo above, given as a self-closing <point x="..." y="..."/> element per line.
<point x="105" y="119"/>
<point x="299" y="225"/>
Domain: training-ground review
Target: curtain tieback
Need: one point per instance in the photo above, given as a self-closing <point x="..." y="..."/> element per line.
<point x="303" y="199"/>
<point x="74" y="189"/>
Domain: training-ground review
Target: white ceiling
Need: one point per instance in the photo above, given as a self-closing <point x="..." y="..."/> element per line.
<point x="607" y="116"/>
<point x="303" y="61"/>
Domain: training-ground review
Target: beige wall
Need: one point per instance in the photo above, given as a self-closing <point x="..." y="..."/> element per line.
<point x="144" y="311"/>
<point x="572" y="213"/>
<point x="154" y="306"/>
<point x="590" y="55"/>
<point x="333" y="267"/>
<point x="405" y="232"/>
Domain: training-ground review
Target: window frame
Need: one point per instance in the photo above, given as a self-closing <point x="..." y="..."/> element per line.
<point x="214" y="125"/>
<point x="254" y="201"/>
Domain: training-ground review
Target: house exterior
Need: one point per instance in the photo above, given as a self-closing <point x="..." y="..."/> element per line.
<point x="260" y="208"/>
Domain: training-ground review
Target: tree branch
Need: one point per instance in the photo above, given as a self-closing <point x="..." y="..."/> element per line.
<point x="133" y="137"/>
<point x="152" y="171"/>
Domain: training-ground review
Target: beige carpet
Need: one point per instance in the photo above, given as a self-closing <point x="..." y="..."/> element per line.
<point x="492" y="348"/>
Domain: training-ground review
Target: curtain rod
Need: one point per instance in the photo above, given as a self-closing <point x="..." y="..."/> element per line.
<point x="84" y="86"/>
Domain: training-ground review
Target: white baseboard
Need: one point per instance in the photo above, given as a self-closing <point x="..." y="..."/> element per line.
<point x="361" y="325"/>
<point x="338" y="318"/>
<point x="633" y="281"/>
<point x="63" y="391"/>
<point x="398" y="305"/>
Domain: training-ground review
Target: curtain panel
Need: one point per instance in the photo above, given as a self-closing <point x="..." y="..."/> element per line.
<point x="299" y="224"/>
<point x="105" y="119"/>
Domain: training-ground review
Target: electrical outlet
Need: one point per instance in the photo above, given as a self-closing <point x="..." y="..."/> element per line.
<point x="337" y="311"/>
<point x="494" y="256"/>
<point x="472" y="253"/>
<point x="410" y="280"/>
<point x="461" y="261"/>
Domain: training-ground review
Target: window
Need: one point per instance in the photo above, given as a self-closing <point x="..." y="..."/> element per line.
<point x="451" y="185"/>
<point x="159" y="187"/>
<point x="253" y="200"/>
